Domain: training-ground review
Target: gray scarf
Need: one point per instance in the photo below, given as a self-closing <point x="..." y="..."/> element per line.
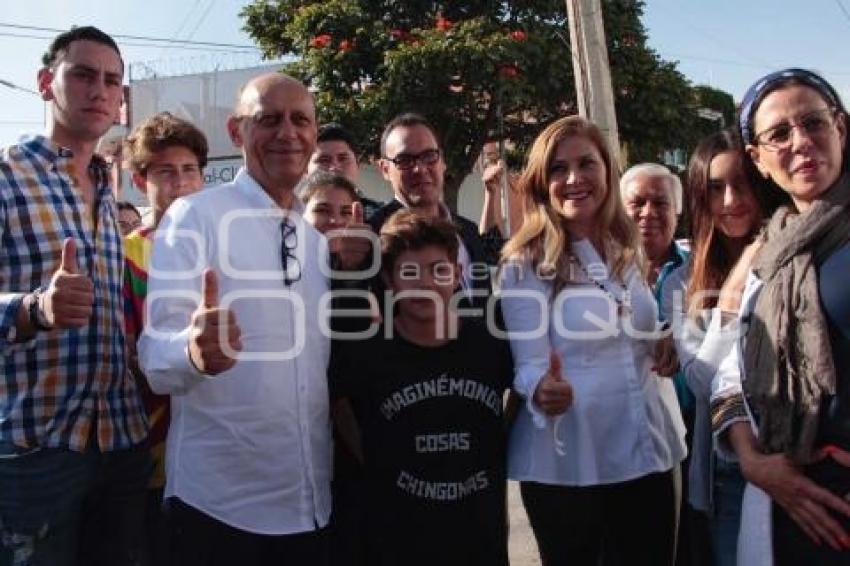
<point x="788" y="359"/>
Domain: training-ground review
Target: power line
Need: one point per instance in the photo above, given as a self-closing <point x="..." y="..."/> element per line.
<point x="136" y="44"/>
<point x="138" y="37"/>
<point x="13" y="86"/>
<point x="843" y="9"/>
<point x="186" y="19"/>
<point x="200" y="21"/>
<point x="737" y="63"/>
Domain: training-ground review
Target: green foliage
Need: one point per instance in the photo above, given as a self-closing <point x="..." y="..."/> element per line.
<point x="463" y="64"/>
<point x="717" y="100"/>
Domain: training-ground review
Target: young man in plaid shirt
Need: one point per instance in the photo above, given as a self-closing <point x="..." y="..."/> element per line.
<point x="73" y="466"/>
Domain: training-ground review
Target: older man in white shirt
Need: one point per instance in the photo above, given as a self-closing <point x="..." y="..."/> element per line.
<point x="234" y="334"/>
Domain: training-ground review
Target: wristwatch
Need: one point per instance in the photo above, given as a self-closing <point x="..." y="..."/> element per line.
<point x="36" y="314"/>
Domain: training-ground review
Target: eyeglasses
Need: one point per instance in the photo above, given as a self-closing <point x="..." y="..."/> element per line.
<point x="289" y="243"/>
<point x="813" y="124"/>
<point x="407" y="161"/>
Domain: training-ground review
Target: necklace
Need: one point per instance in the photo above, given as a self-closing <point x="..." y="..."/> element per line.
<point x="624" y="303"/>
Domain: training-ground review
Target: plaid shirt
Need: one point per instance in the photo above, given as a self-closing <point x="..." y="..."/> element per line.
<point x="59" y="384"/>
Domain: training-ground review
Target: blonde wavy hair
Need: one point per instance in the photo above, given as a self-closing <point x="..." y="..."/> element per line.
<point x="543" y="237"/>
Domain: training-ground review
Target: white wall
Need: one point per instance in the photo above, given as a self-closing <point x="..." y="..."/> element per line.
<point x="206" y="99"/>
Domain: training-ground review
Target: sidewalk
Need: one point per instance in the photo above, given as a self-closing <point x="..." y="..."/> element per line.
<point x="521" y="544"/>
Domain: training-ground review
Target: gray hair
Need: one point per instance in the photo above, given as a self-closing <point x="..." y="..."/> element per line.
<point x="653" y="170"/>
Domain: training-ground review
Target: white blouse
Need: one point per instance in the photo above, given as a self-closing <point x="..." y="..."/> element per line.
<point x="755" y="537"/>
<point x="624" y="422"/>
<point x="702" y="343"/>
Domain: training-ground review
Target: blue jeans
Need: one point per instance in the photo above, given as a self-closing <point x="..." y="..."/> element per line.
<point x="60" y="508"/>
<point x="726" y="521"/>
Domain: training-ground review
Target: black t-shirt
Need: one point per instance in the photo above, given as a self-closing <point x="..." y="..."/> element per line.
<point x="434" y="443"/>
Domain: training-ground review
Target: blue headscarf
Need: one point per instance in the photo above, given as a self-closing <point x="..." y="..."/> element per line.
<point x="756" y="93"/>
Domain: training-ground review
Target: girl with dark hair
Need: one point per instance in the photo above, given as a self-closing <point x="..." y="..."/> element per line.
<point x="725" y="218"/>
<point x="782" y="398"/>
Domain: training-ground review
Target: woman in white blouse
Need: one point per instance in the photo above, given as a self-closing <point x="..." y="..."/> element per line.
<point x="596" y="442"/>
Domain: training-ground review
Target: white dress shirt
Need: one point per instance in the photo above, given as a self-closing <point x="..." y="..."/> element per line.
<point x="624" y="422"/>
<point x="251" y="446"/>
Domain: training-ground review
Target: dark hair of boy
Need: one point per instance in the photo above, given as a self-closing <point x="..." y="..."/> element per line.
<point x="126" y="205"/>
<point x="61" y="42"/>
<point x="333" y="131"/>
<point x="406" y="231"/>
<point x="158" y="133"/>
<point x="321" y="179"/>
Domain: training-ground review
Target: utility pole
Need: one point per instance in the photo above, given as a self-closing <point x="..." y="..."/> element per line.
<point x="590" y="68"/>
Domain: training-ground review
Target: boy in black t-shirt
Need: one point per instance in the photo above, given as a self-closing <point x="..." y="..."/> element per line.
<point x="427" y="394"/>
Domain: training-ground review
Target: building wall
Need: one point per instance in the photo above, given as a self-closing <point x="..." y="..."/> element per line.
<point x="206" y="99"/>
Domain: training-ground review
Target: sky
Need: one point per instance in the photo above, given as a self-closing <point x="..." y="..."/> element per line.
<point x="727" y="44"/>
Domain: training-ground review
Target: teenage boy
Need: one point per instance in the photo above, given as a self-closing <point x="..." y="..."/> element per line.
<point x="427" y="393"/>
<point x="167" y="156"/>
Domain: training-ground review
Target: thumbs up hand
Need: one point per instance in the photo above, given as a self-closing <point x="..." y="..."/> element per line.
<point x="554" y="394"/>
<point x="355" y="244"/>
<point x="69" y="298"/>
<point x="492" y="176"/>
<point x="214" y="331"/>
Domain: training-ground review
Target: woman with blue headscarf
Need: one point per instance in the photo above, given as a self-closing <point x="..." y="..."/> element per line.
<point x="782" y="398"/>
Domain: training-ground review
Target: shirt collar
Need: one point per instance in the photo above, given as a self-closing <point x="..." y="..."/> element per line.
<point x="258" y="196"/>
<point x="47" y="151"/>
<point x="679" y="254"/>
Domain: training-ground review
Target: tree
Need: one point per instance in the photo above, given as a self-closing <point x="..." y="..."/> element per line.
<point x="463" y="64"/>
<point x="716" y="100"/>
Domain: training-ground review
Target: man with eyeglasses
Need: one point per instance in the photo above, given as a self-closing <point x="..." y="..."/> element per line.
<point x="234" y="334"/>
<point x="413" y="164"/>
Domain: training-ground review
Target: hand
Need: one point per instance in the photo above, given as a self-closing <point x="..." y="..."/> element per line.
<point x="733" y="288"/>
<point x="805" y="502"/>
<point x="210" y="325"/>
<point x="69" y="298"/>
<point x="492" y="176"/>
<point x="554" y="394"/>
<point x="354" y="244"/>
<point x="666" y="360"/>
